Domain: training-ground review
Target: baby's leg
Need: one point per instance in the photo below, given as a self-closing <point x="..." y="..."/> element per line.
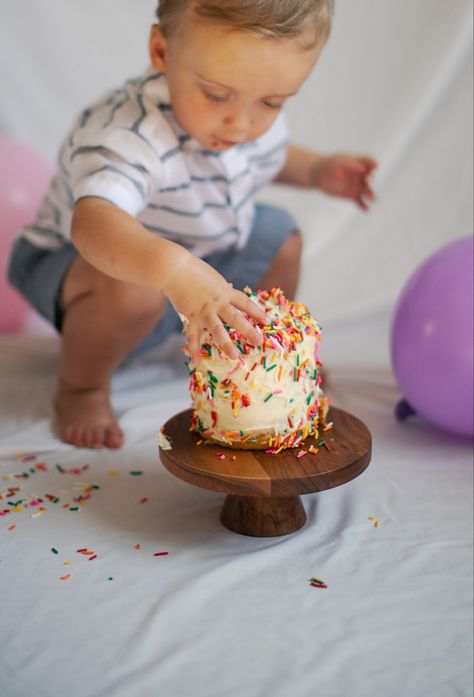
<point x="104" y="319"/>
<point x="284" y="270"/>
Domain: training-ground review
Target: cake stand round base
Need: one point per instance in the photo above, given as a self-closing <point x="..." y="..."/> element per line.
<point x="262" y="516"/>
<point x="263" y="490"/>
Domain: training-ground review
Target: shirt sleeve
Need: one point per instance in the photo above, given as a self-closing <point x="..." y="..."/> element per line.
<point x="118" y="163"/>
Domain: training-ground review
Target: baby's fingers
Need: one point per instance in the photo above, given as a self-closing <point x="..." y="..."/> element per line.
<point x="369" y="163"/>
<point x="243" y="302"/>
<point x="222" y="338"/>
<point x="236" y="319"/>
<point x="365" y="198"/>
<point x="194" y="347"/>
<point x="366" y="195"/>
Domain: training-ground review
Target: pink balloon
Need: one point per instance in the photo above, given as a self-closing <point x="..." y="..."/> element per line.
<point x="432" y="340"/>
<point x="24" y="179"/>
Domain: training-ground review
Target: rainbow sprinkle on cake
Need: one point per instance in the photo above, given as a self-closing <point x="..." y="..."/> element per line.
<point x="270" y="398"/>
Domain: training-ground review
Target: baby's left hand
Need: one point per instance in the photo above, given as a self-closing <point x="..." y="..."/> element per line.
<point x="348" y="176"/>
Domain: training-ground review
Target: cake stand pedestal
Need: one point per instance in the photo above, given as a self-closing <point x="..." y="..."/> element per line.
<point x="263" y="490"/>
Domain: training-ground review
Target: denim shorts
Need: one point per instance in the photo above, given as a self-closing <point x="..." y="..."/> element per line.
<point x="38" y="274"/>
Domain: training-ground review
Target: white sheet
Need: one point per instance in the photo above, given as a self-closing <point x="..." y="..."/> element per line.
<point x="224" y="614"/>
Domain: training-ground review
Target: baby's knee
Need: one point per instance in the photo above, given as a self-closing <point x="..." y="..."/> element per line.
<point x="292" y="248"/>
<point x="111" y="297"/>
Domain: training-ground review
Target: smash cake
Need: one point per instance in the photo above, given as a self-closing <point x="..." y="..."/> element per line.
<point x="271" y="397"/>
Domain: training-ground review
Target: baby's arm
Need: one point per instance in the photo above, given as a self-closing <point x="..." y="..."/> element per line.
<point x="118" y="245"/>
<point x="345" y="175"/>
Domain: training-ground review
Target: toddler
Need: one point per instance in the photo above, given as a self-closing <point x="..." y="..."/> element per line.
<point x="151" y="215"/>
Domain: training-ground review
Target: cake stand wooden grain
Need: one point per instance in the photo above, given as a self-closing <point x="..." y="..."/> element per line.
<point x="263" y="490"/>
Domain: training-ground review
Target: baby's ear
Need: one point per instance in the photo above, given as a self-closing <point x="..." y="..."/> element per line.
<point x="157" y="46"/>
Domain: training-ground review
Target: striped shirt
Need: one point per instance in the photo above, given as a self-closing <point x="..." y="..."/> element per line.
<point x="129" y="149"/>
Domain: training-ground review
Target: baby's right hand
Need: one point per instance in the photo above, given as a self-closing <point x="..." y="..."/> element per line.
<point x="208" y="301"/>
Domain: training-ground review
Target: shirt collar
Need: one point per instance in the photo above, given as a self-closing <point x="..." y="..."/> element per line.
<point x="155" y="87"/>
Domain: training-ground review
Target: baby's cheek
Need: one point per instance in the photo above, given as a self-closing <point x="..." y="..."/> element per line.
<point x="189" y="119"/>
<point x="200" y="116"/>
<point x="260" y="128"/>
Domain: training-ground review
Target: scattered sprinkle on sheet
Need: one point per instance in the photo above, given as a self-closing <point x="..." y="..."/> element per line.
<point x="27" y="458"/>
<point x="14" y="500"/>
<point x="375" y="521"/>
<point x="317" y="583"/>
<point x="72" y="470"/>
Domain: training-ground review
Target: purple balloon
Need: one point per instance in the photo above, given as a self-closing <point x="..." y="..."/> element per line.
<point x="432" y="339"/>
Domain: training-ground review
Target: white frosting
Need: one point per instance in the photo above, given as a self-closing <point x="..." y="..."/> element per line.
<point x="235" y="399"/>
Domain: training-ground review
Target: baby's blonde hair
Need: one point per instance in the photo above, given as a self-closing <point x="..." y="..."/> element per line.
<point x="309" y="20"/>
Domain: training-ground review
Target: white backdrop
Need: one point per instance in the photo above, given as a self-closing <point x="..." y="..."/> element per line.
<point x="395" y="81"/>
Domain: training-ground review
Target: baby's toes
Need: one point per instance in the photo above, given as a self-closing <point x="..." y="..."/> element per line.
<point x="113" y="436"/>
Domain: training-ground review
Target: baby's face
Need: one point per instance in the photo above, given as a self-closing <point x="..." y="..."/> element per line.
<point x="227" y="87"/>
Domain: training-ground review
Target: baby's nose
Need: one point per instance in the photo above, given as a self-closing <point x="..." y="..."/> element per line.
<point x="239" y="121"/>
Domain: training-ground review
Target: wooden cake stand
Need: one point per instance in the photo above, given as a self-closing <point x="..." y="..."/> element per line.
<point x="263" y="490"/>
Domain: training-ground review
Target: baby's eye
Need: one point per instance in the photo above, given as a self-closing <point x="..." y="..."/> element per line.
<point x="273" y="105"/>
<point x="214" y="97"/>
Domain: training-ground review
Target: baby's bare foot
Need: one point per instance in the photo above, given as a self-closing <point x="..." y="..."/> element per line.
<point x="84" y="418"/>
